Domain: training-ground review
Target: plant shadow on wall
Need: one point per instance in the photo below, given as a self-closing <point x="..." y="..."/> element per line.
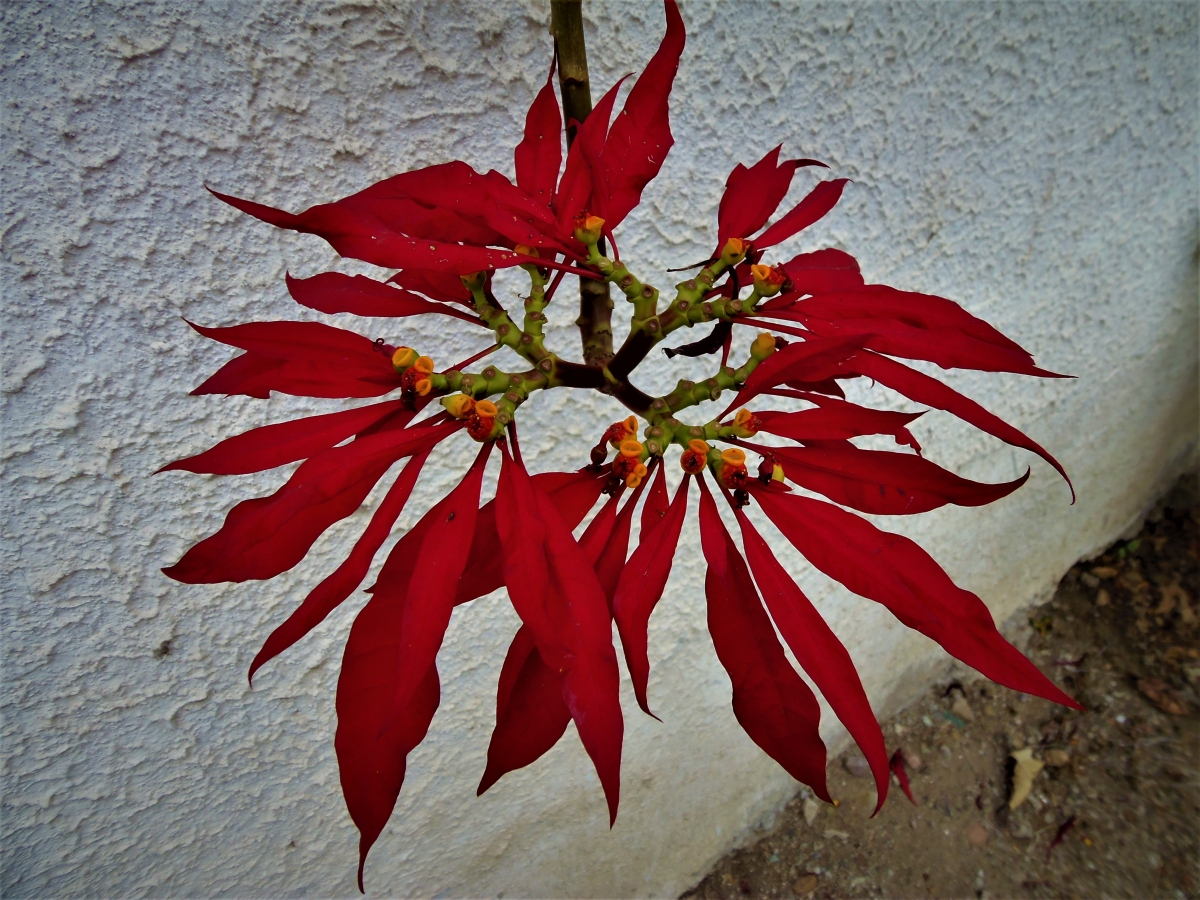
<point x="442" y="232"/>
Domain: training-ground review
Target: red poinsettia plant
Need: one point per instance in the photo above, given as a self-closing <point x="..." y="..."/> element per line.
<point x="441" y="232"/>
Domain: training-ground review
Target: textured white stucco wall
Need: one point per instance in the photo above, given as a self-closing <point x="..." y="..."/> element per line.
<point x="1035" y="162"/>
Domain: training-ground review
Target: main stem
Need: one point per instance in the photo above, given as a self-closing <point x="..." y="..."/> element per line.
<point x="595" y="304"/>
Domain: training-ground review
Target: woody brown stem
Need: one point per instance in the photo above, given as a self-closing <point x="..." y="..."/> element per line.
<point x="595" y="304"/>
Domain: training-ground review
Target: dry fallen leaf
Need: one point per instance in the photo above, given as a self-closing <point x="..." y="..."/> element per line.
<point x="1158" y="693"/>
<point x="1023" y="775"/>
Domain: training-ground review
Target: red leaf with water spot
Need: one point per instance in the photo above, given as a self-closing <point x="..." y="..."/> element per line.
<point x="531" y="714"/>
<point x="269" y="535"/>
<point x="894" y="571"/>
<point x="333" y="292"/>
<point x="329" y="594"/>
<point x="818" y="651"/>
<point x="773" y="704"/>
<point x="276" y="445"/>
<point x="640" y="138"/>
<point x="641" y="586"/>
<point x="819" y="201"/>
<point x="883" y="482"/>
<point x="539" y="155"/>
<point x="444" y="286"/>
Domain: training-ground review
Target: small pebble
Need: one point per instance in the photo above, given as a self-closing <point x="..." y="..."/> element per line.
<point x="911" y="759"/>
<point x="805" y="884"/>
<point x="1056" y="758"/>
<point x="977" y="834"/>
<point x="1090" y="580"/>
<point x="811" y="808"/>
<point x="856" y="764"/>
<point x="962" y="709"/>
<point x="1102" y="598"/>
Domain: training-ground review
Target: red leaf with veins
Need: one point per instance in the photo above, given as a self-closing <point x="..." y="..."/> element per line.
<point x="275" y="445"/>
<point x="539" y="155"/>
<point x="883" y="482"/>
<point x="837" y="420"/>
<point x="773" y="704"/>
<point x="894" y="571"/>
<point x="531" y="714"/>
<point x="554" y="590"/>
<point x="640" y="138"/>
<point x="818" y="651"/>
<point x="641" y="587"/>
<point x="819" y="201"/>
<point x="572" y="493"/>
<point x="309" y="359"/>
<point x="329" y="594"/>
<point x="269" y="535"/>
<point x="752" y="195"/>
<point x="333" y="292"/>
<point x="434" y="582"/>
<point x="371" y="761"/>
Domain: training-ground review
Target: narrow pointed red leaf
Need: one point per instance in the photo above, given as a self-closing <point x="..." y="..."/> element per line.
<point x="329" y="594"/>
<point x="883" y="482"/>
<point x="431" y="590"/>
<point x="573" y="494"/>
<point x="333" y="292"/>
<point x="818" y="651"/>
<point x="931" y="392"/>
<point x="897" y="767"/>
<point x="269" y="535"/>
<point x="531" y="714"/>
<point x="837" y="420"/>
<point x="372" y="761"/>
<point x="657" y="501"/>
<point x="444" y="286"/>
<point x="894" y="571"/>
<point x="275" y="445"/>
<point x="249" y="375"/>
<point x="555" y="592"/>
<point x="806" y="361"/>
<point x="819" y="201"/>
<point x="641" y="586"/>
<point x="539" y="155"/>
<point x="611" y="562"/>
<point x="640" y="138"/>
<point x="773" y="704"/>
<point x="753" y="194"/>
<point x="600" y="529"/>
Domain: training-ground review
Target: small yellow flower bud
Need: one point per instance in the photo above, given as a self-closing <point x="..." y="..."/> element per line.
<point x="459" y="405"/>
<point x="631" y="425"/>
<point x="588" y="228"/>
<point x="403" y="358"/>
<point x="768" y="281"/>
<point x="763" y="346"/>
<point x="631" y="447"/>
<point x="734" y="251"/>
<point x="423" y="387"/>
<point x="633" y="479"/>
<point x="474" y="282"/>
<point x="744" y="423"/>
<point x="777" y="473"/>
<point x="486" y="409"/>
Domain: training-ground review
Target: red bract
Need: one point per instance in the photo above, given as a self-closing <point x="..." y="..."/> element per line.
<point x="447" y="228"/>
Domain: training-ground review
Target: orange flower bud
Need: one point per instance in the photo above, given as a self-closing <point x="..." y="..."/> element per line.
<point x="620" y="431"/>
<point x="631" y="447"/>
<point x="698" y="446"/>
<point x="733" y="472"/>
<point x="480" y="427"/>
<point x="423" y="364"/>
<point x="733" y="457"/>
<point x="624" y="466"/>
<point x="734" y="251"/>
<point x="693" y="461"/>
<point x="461" y="406"/>
<point x="588" y="228"/>
<point x="423" y="387"/>
<point x="403" y="358"/>
<point x="525" y="250"/>
<point x="634" y="478"/>
<point x="486" y="409"/>
<point x="768" y="281"/>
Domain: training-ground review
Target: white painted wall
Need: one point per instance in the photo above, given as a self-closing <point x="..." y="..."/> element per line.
<point x="1035" y="162"/>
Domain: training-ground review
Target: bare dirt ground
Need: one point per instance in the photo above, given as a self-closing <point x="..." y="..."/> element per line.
<point x="1115" y="812"/>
